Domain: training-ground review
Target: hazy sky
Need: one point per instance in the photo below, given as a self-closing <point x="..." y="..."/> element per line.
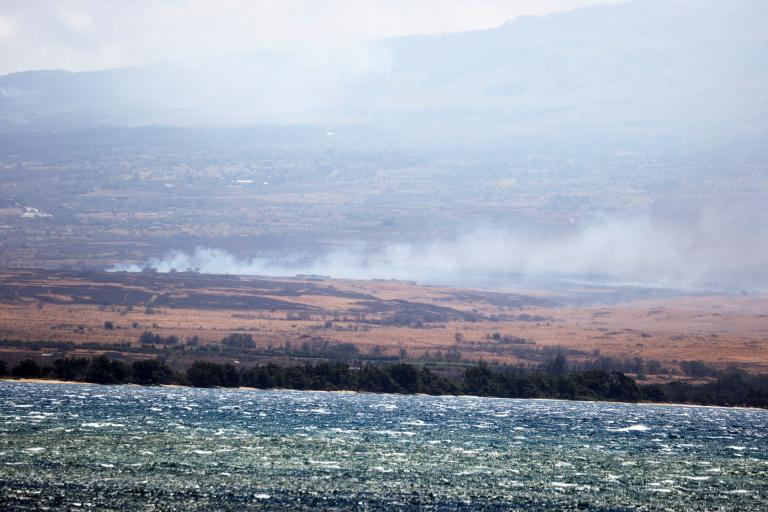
<point x="96" y="34"/>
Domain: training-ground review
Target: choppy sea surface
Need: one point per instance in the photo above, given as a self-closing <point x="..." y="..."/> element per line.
<point x="125" y="447"/>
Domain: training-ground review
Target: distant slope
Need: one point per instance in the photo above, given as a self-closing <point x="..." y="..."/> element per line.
<point x="643" y="72"/>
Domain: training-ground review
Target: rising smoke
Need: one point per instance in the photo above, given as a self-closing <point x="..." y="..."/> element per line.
<point x="717" y="251"/>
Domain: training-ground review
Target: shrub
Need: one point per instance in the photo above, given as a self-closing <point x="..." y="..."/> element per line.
<point x="238" y="340"/>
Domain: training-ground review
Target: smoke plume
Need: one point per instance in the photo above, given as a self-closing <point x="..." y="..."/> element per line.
<point x="722" y="251"/>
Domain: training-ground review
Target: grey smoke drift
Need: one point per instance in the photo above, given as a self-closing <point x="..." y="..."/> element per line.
<point x="714" y="252"/>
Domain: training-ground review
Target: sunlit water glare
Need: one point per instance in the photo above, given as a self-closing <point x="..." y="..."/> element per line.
<point x="128" y="447"/>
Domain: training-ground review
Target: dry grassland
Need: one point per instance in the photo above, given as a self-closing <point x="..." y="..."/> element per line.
<point x="377" y="316"/>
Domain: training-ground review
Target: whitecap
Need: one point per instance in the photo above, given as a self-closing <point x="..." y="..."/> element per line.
<point x="632" y="428"/>
<point x="101" y="425"/>
<point x="416" y="423"/>
<point x="326" y="464"/>
<point x="395" y="432"/>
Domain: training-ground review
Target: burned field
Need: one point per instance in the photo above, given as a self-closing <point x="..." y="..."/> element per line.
<point x="49" y="314"/>
<point x="221" y="292"/>
<point x="104" y="310"/>
<point x="146" y="290"/>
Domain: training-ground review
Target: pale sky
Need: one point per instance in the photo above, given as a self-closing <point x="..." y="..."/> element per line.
<point x="97" y="34"/>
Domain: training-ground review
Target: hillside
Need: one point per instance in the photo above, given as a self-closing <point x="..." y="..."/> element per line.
<point x="634" y="74"/>
<point x="50" y="314"/>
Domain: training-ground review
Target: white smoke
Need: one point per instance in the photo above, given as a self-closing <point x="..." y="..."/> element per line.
<point x="708" y="253"/>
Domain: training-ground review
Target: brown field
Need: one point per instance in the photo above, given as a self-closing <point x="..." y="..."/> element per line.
<point x="379" y="317"/>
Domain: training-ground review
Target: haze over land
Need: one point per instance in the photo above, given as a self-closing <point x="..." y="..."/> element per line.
<point x="614" y="143"/>
<point x="679" y="76"/>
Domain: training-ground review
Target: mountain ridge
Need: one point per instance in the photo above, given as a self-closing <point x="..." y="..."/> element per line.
<point x="566" y="76"/>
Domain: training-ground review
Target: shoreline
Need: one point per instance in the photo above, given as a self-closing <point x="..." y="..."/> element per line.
<point x="354" y="392"/>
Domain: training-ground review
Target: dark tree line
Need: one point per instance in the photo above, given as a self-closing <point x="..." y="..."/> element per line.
<point x="556" y="381"/>
<point x="733" y="388"/>
<point x="99" y="370"/>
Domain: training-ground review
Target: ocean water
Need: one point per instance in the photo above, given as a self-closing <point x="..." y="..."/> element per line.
<point x="81" y="447"/>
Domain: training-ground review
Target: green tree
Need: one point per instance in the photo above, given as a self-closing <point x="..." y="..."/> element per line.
<point x="102" y="370"/>
<point x="151" y="372"/>
<point x="406" y="375"/>
<point x="558" y="365"/>
<point x="204" y="374"/>
<point x="238" y="340"/>
<point x="27" y="369"/>
<point x="70" y="368"/>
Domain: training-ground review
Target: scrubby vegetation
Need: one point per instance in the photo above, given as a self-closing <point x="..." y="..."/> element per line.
<point x="149" y="338"/>
<point x="151" y="371"/>
<point x="555" y="380"/>
<point x="99" y="370"/>
<point x="204" y="374"/>
<point x="730" y="388"/>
